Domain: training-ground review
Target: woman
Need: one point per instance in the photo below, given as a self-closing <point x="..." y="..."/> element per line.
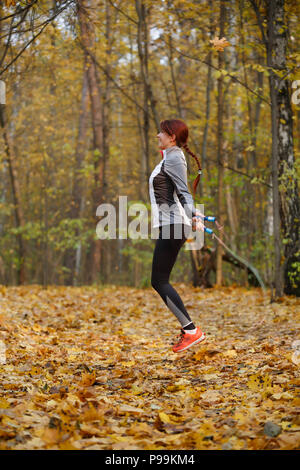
<point x="172" y="211"/>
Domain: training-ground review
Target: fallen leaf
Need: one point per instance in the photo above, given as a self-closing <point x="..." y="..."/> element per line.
<point x="130" y="409"/>
<point x="88" y="378"/>
<point x="211" y="396"/>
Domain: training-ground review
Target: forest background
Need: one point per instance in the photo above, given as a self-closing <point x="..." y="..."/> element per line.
<point x="86" y="86"/>
<point x="85" y="346"/>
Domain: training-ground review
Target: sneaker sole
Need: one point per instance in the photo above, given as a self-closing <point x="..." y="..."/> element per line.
<point x="199" y="340"/>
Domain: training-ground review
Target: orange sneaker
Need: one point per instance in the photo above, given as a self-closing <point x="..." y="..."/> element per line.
<point x="187" y="340"/>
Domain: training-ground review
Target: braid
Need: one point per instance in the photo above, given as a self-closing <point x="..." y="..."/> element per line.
<point x="196" y="181"/>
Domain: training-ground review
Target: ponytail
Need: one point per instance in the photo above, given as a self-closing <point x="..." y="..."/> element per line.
<point x="197" y="179"/>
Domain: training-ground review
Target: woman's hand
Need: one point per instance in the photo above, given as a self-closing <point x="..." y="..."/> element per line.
<point x="198" y="216"/>
<point x="198" y="213"/>
<point x="197" y="221"/>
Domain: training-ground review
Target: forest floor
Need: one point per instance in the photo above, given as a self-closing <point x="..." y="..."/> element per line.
<point x="93" y="368"/>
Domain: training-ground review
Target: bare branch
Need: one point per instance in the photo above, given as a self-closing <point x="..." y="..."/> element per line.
<point x="216" y="68"/>
<point x="36" y="35"/>
<point x="197" y="58"/>
<point x="18" y="11"/>
<point x="123" y="13"/>
<point x="110" y="77"/>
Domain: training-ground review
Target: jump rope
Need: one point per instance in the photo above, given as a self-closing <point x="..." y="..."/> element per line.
<point x="209" y="218"/>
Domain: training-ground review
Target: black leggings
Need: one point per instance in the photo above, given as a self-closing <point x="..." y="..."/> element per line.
<point x="165" y="253"/>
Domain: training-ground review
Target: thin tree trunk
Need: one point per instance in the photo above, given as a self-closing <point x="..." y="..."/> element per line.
<point x="88" y="40"/>
<point x="15" y="187"/>
<point x="209" y="86"/>
<point x="107" y="89"/>
<point x="142" y="43"/>
<point x="207" y="116"/>
<point x="78" y="256"/>
<point x="16" y="195"/>
<point x="231" y="204"/>
<point x="220" y="148"/>
<point x="73" y="257"/>
<point x="234" y="116"/>
<point x="278" y="281"/>
<point x="270" y="228"/>
<point x="173" y="77"/>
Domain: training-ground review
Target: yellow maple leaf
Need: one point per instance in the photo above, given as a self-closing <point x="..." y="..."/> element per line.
<point x="257" y="383"/>
<point x="219" y="44"/>
<point x="4" y="403"/>
<point x="88" y="378"/>
<point x="92" y="414"/>
<point x="49" y="435"/>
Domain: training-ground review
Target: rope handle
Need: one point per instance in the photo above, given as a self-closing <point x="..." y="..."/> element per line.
<point x="208" y="218"/>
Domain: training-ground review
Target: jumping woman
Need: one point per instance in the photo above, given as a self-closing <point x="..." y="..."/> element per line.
<point x="172" y="211"/>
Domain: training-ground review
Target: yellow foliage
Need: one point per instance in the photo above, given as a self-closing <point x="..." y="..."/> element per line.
<point x="117" y="384"/>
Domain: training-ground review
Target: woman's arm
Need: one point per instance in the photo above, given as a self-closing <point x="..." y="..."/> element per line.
<point x="175" y="167"/>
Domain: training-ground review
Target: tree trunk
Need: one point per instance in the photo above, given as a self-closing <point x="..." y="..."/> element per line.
<point x="204" y="263"/>
<point x="142" y="43"/>
<point x="209" y="86"/>
<point x="173" y="77"/>
<point x="285" y="188"/>
<point x="220" y="147"/>
<point x="286" y="204"/>
<point x="88" y="39"/>
<point x="106" y="253"/>
<point x="16" y="196"/>
<point x="73" y="256"/>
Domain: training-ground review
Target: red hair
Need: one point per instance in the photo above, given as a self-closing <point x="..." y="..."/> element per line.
<point x="180" y="129"/>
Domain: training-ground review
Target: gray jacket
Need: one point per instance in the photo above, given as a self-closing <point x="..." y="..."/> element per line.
<point x="171" y="201"/>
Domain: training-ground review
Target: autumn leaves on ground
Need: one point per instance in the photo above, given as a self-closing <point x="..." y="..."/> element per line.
<point x="90" y="368"/>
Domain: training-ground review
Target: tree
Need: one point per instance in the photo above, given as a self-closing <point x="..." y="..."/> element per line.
<point x="220" y="142"/>
<point x="286" y="204"/>
<point x="88" y="40"/>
